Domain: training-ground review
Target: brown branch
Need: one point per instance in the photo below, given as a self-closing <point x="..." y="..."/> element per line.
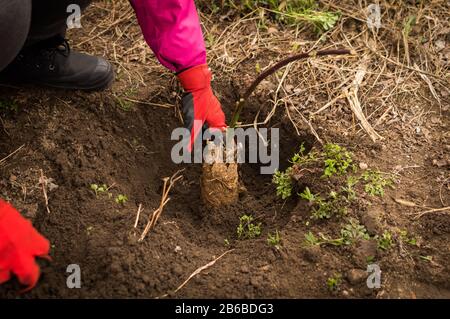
<point x="240" y="104"/>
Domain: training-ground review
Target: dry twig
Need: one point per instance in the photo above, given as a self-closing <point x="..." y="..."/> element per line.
<point x="168" y="184"/>
<point x="199" y="270"/>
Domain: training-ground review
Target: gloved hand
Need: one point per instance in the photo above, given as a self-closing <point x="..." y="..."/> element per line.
<point x="200" y="106"/>
<point x="20" y="243"/>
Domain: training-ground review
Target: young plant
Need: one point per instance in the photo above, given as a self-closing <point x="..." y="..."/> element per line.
<point x="404" y="236"/>
<point x="121" y="199"/>
<point x="312" y="240"/>
<point x="99" y="189"/>
<point x="324" y="208"/>
<point x="370" y="259"/>
<point x="427" y="258"/>
<point x="353" y="232"/>
<point x="334" y="282"/>
<point x="375" y="182"/>
<point x="385" y="242"/>
<point x="283" y="181"/>
<point x="274" y="240"/>
<point x="247" y="229"/>
<point x="303" y="159"/>
<point x="348" y="188"/>
<point x="337" y="160"/>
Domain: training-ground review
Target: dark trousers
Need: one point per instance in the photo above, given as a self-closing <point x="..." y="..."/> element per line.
<point x="26" y="22"/>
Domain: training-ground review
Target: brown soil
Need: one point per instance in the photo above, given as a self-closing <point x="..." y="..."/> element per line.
<point x="78" y="139"/>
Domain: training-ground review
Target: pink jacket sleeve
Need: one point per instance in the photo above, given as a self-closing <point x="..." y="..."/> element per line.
<point x="172" y="29"/>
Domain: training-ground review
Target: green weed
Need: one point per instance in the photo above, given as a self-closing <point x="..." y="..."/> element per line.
<point x="121" y="199"/>
<point x="337" y="160"/>
<point x="385" y="242"/>
<point x="274" y="240"/>
<point x="283" y="182"/>
<point x="375" y="183"/>
<point x="334" y="282"/>
<point x="247" y="229"/>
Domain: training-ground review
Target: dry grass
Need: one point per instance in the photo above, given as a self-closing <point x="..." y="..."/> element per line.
<point x="406" y="68"/>
<point x="393" y="88"/>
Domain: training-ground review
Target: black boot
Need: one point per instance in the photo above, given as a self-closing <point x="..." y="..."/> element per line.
<point x="52" y="63"/>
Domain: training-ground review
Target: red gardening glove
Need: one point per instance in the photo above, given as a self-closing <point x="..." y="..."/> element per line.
<point x="200" y="106"/>
<point x="20" y="243"/>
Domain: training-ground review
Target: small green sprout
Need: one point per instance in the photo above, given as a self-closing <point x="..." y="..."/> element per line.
<point x="121" y="199"/>
<point x="284" y="183"/>
<point x="408" y="239"/>
<point x="274" y="240"/>
<point x="375" y="183"/>
<point x="334" y="282"/>
<point x="312" y="240"/>
<point x="348" y="188"/>
<point x="353" y="232"/>
<point x="370" y="259"/>
<point x="337" y="160"/>
<point x="385" y="242"/>
<point x="308" y="195"/>
<point x="246" y="228"/>
<point x="427" y="258"/>
<point x="99" y="189"/>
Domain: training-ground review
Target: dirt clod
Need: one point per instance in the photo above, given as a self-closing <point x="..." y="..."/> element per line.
<point x="356" y="276"/>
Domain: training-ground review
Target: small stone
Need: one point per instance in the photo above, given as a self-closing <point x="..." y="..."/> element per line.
<point x="177" y="270"/>
<point x="363" y="166"/>
<point x="244" y="269"/>
<point x="256" y="281"/>
<point x="440" y="45"/>
<point x="177" y="249"/>
<point x="356" y="276"/>
<point x="312" y="254"/>
<point x="29" y="210"/>
<point x="365" y="251"/>
<point x="146" y="279"/>
<point x="52" y="186"/>
<point x="418" y="131"/>
<point x="440" y="163"/>
<point x="372" y="220"/>
<point x="265" y="268"/>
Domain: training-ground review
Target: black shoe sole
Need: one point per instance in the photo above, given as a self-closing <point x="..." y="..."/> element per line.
<point x="100" y="85"/>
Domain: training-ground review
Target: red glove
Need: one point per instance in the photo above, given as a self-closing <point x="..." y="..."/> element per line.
<point x="200" y="105"/>
<point x="20" y="243"/>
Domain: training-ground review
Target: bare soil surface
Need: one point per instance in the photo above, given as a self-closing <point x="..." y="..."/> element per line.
<point x="76" y="139"/>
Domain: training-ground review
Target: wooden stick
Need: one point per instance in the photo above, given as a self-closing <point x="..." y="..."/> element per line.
<point x="43" y="182"/>
<point x="434" y="210"/>
<point x="137" y="215"/>
<point x="3" y="160"/>
<point x="168" y="184"/>
<point x="199" y="270"/>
